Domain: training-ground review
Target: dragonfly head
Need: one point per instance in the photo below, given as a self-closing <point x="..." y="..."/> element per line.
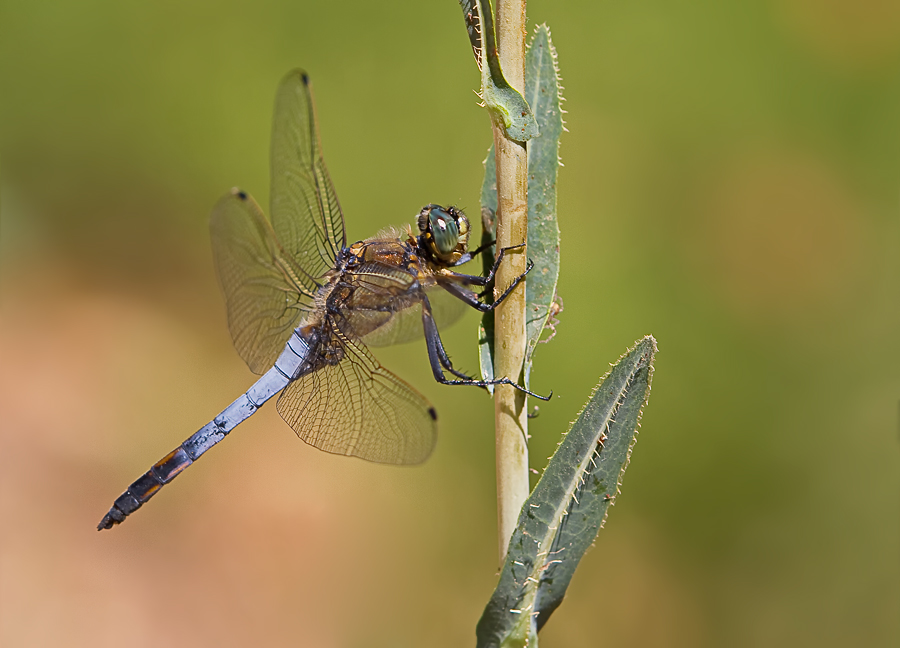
<point x="444" y="232"/>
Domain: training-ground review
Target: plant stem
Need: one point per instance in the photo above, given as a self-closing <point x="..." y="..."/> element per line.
<point x="510" y="413"/>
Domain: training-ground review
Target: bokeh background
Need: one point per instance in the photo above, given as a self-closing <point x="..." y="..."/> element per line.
<point x="733" y="167"/>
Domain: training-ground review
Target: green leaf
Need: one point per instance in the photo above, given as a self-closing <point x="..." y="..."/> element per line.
<point x="508" y="106"/>
<point x="504" y="103"/>
<point x="543" y="91"/>
<point x="561" y="518"/>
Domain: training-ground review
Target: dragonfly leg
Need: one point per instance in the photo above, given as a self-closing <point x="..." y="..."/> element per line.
<point x="437" y="355"/>
<point x="490" y="276"/>
<point x="481" y="248"/>
<point x="468" y="256"/>
<point x="472" y="298"/>
<point x="478" y="280"/>
<point x="464" y="294"/>
<point x="439" y="360"/>
<point x="512" y="286"/>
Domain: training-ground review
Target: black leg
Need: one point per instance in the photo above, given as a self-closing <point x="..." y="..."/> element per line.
<point x="439" y="360"/>
<point x="464" y="294"/>
<point x="512" y="286"/>
<point x="436" y="349"/>
<point x="490" y="276"/>
<point x="468" y="256"/>
<point x="477" y="280"/>
<point x="472" y="298"/>
<point x="481" y="248"/>
<point x="437" y="355"/>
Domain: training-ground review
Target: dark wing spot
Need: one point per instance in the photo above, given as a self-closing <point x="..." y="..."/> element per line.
<point x="305" y="77"/>
<point x="432" y="414"/>
<point x="242" y="195"/>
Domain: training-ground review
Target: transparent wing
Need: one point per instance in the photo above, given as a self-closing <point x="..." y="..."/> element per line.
<point x="304" y="207"/>
<point x="264" y="296"/>
<point x="358" y="408"/>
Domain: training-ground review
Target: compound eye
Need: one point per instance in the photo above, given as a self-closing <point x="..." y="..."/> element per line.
<point x="444" y="231"/>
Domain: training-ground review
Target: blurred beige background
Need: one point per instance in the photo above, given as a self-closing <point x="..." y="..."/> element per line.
<point x="731" y="174"/>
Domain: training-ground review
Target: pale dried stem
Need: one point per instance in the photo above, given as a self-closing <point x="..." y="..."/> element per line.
<point x="510" y="414"/>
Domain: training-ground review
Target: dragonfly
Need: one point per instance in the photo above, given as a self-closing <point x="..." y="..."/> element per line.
<point x="303" y="307"/>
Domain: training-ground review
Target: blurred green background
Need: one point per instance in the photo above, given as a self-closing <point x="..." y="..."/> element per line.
<point x="732" y="167"/>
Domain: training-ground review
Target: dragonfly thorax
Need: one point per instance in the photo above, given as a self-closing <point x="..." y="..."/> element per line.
<point x="444" y="233"/>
